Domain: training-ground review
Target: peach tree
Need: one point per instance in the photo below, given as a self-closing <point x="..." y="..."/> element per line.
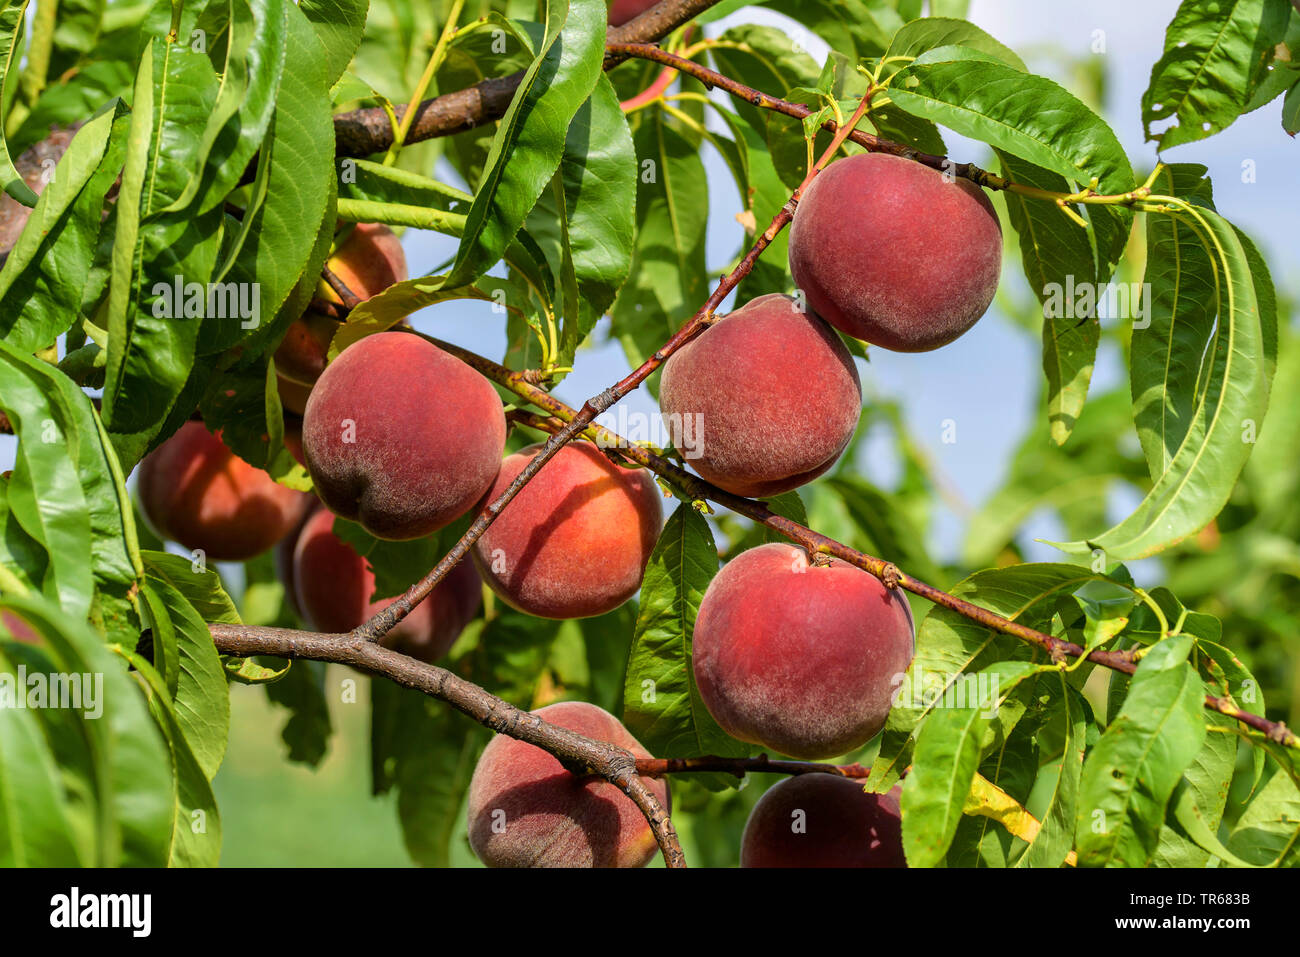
<point x="203" y="286"/>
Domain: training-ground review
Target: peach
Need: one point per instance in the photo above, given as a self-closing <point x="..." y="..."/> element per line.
<point x="799" y="658"/>
<point x="621" y="11"/>
<point x="19" y="628"/>
<point x="575" y="541"/>
<point x="526" y="810"/>
<point x="195" y="491"/>
<point x="334" y="587"/>
<point x="402" y="437"/>
<point x="823" y="820"/>
<point x="368" y="261"/>
<point x="762" y="401"/>
<point x="895" y="253"/>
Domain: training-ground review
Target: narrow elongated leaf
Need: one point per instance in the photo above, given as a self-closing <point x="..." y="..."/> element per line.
<point x="299" y="190"/>
<point x="1215" y="54"/>
<point x="151" y="342"/>
<point x="600" y="171"/>
<point x="44" y="275"/>
<point x="35" y="830"/>
<point x="11" y="22"/>
<point x="1133" y="769"/>
<point x="1057" y="256"/>
<point x="1165" y="361"/>
<point x="429" y="751"/>
<point x="669" y="278"/>
<point x="1232" y="400"/>
<point x="201" y="699"/>
<point x="943" y="766"/>
<point x="1268" y="832"/>
<point x="1025" y="115"/>
<point x="950" y="649"/>
<point x="339" y="26"/>
<point x="1056" y="833"/>
<point x="530" y="139"/>
<point x="930" y="33"/>
<point x="661" y="702"/>
<point x="194" y="834"/>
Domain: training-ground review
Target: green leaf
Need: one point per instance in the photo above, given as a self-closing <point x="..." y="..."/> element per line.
<point x="43" y="277"/>
<point x="1232" y="400"/>
<point x="669" y="277"/>
<point x="255" y="51"/>
<point x="929" y="33"/>
<point x="201" y="697"/>
<point x="202" y="588"/>
<point x="127" y="764"/>
<point x="150" y="356"/>
<point x="599" y="168"/>
<point x="194" y="834"/>
<point x="661" y="702"/>
<point x="1022" y="114"/>
<point x="11" y="23"/>
<point x="1132" y="771"/>
<point x="301" y="691"/>
<point x="35" y="825"/>
<point x="1268" y="832"/>
<point x="1056" y="255"/>
<point x="943" y="766"/>
<point x="300" y="183"/>
<point x="1198" y="802"/>
<point x="1165" y="358"/>
<point x="67" y="492"/>
<point x="950" y="648"/>
<point x="339" y="26"/>
<point x="1215" y="55"/>
<point x="530" y="139"/>
<point x="428" y="752"/>
<point x="1056" y="832"/>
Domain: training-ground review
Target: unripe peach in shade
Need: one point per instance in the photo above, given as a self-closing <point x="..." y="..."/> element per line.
<point x="402" y="437"/>
<point x="368" y="261"/>
<point x="334" y="588"/>
<point x="195" y="491"/>
<point x="621" y="11"/>
<point x="19" y="629"/>
<point x="896" y="253"/>
<point x="823" y="820"/>
<point x="526" y="810"/>
<point x="762" y="401"/>
<point x="575" y="541"/>
<point x="799" y="658"/>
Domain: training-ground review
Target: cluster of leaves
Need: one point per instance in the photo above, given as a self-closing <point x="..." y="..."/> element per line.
<point x="207" y="152"/>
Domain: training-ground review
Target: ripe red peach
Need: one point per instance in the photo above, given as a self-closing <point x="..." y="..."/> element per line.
<point x="402" y="437"/>
<point x="895" y="253"/>
<point x="762" y="401"/>
<point x="799" y="658"/>
<point x="334" y="587"/>
<point x="195" y="491"/>
<point x="575" y="541"/>
<point x="823" y="820"/>
<point x="526" y="810"/>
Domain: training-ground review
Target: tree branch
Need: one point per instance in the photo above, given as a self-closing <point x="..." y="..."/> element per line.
<point x="579" y="754"/>
<point x="762" y="764"/>
<point x="815" y="543"/>
<point x="367" y="131"/>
